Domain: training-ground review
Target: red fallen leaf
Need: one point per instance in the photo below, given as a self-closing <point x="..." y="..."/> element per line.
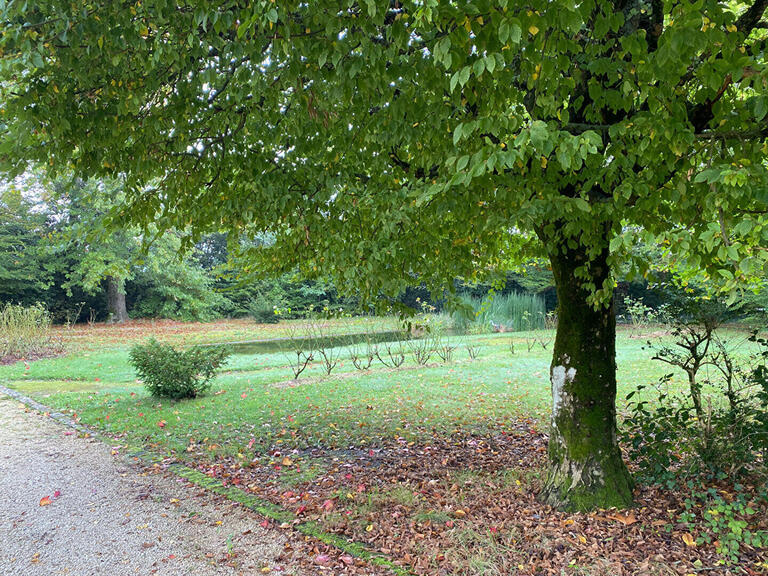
<point x="243" y="395"/>
<point x="141" y="414"/>
<point x="361" y="488"/>
<point x="300" y="509"/>
<point x="45" y="501"/>
<point x="347" y="559"/>
<point x="322" y="559"/>
<point x="348" y="476"/>
<point x="264" y="523"/>
<point x="161" y="423"/>
<point x="449" y="523"/>
<point x="250" y="444"/>
<point x="56" y="494"/>
<point x="328" y="505"/>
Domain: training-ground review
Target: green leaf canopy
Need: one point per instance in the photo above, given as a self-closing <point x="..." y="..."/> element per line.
<point x="389" y="141"/>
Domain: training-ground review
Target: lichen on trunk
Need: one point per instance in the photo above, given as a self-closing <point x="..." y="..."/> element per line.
<point x="116" y="308"/>
<point x="586" y="469"/>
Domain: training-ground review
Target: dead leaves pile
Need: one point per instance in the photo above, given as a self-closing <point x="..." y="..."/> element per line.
<point x="466" y="505"/>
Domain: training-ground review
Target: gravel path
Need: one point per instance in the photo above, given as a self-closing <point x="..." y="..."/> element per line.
<point x="110" y="518"/>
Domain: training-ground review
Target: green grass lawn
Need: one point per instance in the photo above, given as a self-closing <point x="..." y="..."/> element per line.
<point x="254" y="401"/>
<point x="455" y="449"/>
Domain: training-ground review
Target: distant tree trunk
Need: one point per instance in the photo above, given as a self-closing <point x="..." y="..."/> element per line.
<point x="116" y="300"/>
<point x="586" y="470"/>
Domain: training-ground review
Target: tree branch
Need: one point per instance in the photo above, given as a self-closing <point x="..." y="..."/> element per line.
<point x="734" y="134"/>
<point x="751" y="18"/>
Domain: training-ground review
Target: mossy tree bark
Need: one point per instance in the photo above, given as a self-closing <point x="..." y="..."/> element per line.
<point x="586" y="470"/>
<point x="118" y="312"/>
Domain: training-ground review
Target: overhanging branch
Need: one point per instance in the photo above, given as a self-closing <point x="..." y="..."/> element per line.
<point x="751" y="18"/>
<point x="734" y="134"/>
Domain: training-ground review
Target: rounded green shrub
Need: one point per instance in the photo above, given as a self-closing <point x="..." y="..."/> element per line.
<point x="263" y="311"/>
<point x="171" y="373"/>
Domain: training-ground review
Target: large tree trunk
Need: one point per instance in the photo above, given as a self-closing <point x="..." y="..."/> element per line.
<point x="585" y="466"/>
<point x="116" y="300"/>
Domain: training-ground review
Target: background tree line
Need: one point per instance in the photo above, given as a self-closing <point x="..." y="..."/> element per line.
<point x="55" y="249"/>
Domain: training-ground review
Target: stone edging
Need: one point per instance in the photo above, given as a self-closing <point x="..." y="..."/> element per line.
<point x="254" y="503"/>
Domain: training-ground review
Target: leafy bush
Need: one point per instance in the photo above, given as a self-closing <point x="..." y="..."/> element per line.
<point x="641" y="316"/>
<point x="723" y="433"/>
<point x="710" y="441"/>
<point x="171" y="373"/>
<point x="728" y="522"/>
<point x="657" y="432"/>
<point x="262" y="311"/>
<point x="167" y="286"/>
<point x="668" y="441"/>
<point x="25" y="331"/>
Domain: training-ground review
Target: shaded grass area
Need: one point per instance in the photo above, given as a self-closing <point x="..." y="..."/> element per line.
<point x="255" y="400"/>
<point x="254" y="403"/>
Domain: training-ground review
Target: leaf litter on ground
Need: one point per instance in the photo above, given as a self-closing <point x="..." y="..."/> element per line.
<point x="466" y="504"/>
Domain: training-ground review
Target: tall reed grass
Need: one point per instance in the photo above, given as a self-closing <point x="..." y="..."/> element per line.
<point x="511" y="312"/>
<point x="25" y="331"/>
